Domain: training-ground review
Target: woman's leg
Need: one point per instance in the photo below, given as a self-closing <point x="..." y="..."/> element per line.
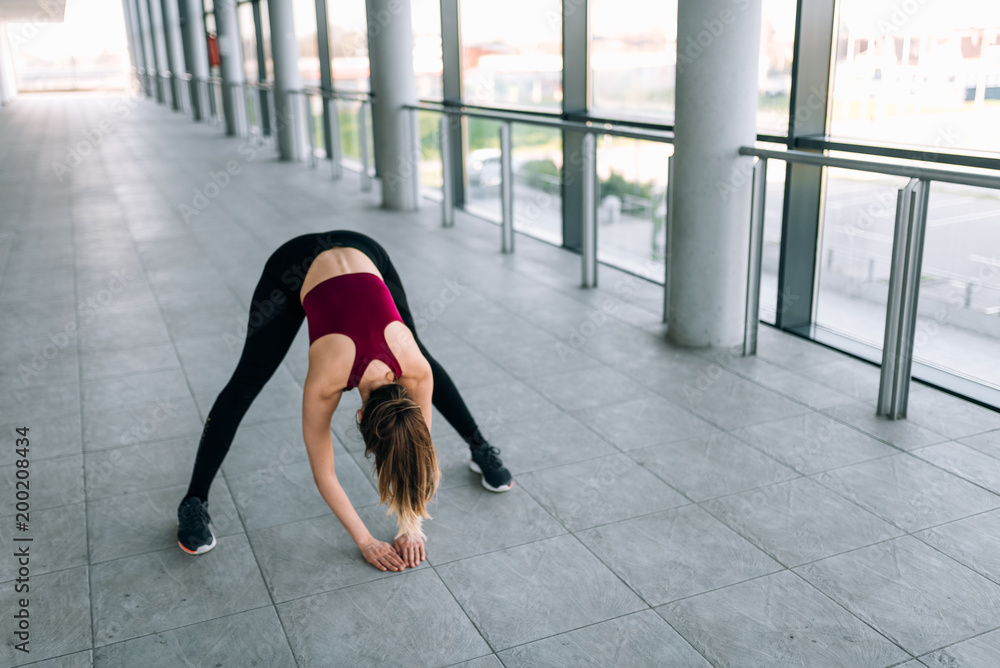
<point x="275" y="317"/>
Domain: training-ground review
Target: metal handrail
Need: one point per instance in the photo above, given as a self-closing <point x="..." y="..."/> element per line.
<point x="545" y="120"/>
<point x="977" y="160"/>
<point x="905" y="266"/>
<point x="912" y="172"/>
<point x="358" y="96"/>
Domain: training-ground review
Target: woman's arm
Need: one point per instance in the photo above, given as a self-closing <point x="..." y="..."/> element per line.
<point x="318" y="405"/>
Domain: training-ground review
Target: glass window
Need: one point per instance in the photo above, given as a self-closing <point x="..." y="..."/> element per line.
<point x="248" y="39"/>
<point x="633" y="58"/>
<point x="958" y="319"/>
<point x="349" y="44"/>
<point x="631" y="215"/>
<point x="855" y="253"/>
<point x="511" y="52"/>
<point x="918" y="73"/>
<point x="427" y="60"/>
<point x="305" y="30"/>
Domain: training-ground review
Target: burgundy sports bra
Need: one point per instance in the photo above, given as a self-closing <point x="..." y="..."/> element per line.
<point x="359" y="306"/>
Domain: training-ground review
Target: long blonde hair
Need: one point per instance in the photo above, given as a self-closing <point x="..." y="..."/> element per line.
<point x="406" y="464"/>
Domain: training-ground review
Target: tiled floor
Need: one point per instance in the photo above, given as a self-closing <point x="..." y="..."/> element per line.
<point x="672" y="507"/>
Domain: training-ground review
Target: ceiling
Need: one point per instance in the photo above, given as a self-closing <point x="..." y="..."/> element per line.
<point x="32" y="11"/>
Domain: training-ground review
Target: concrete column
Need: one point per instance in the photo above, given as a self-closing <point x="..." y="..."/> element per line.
<point x="149" y="53"/>
<point x="231" y="52"/>
<point x="288" y="108"/>
<point x="8" y="82"/>
<point x="159" y="50"/>
<point x="390" y="47"/>
<point x="132" y="41"/>
<point x="192" y="17"/>
<point x="175" y="51"/>
<point x="716" y="112"/>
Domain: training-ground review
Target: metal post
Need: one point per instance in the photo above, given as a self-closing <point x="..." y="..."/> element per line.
<point x="588" y="245"/>
<point x="333" y="132"/>
<point x="758" y="191"/>
<point x="273" y="120"/>
<point x="506" y="191"/>
<point x="667" y="247"/>
<point x="447" y="203"/>
<point x="366" y="179"/>
<point x="904" y="289"/>
<point x="307" y="117"/>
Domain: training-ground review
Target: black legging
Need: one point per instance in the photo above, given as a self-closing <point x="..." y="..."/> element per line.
<point x="275" y="317"/>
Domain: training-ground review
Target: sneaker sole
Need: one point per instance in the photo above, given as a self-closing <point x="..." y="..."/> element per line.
<point x="475" y="468"/>
<point x="201" y="550"/>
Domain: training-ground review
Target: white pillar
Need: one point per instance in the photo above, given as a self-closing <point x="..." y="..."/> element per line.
<point x="231" y="53"/>
<point x="390" y="45"/>
<point x="288" y="107"/>
<point x="152" y="71"/>
<point x="196" y="57"/>
<point x="8" y="81"/>
<point x="716" y="112"/>
<point x="175" y="51"/>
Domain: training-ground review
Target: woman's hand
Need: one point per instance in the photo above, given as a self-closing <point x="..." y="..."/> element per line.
<point x="382" y="556"/>
<point x="411" y="549"/>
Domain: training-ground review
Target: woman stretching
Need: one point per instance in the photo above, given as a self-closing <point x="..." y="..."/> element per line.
<point x="361" y="334"/>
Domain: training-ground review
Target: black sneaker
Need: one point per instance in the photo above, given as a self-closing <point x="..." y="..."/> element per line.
<point x="194" y="526"/>
<point x="486" y="462"/>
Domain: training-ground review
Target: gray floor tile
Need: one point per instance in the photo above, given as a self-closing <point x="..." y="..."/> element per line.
<point x="147" y="521"/>
<point x="54" y="482"/>
<point x="325" y="554"/>
<point x="409" y="619"/>
<point x="159" y="591"/>
<point x="800" y="521"/>
<point x="710" y="466"/>
<point x="75" y="660"/>
<point x="43" y="360"/>
<point x="59" y="540"/>
<point x="101" y="394"/>
<point x="814" y="442"/>
<point x="48" y="401"/>
<point x="252" y="638"/>
<point x="140" y="423"/>
<point x="677" y="553"/>
<point x="974" y="541"/>
<point x="139" y="468"/>
<point x="589" y="388"/>
<point x="908" y="492"/>
<point x="633" y="641"/>
<point x="964" y="462"/>
<point x="988" y="443"/>
<point x="904" y="434"/>
<point x="494" y="406"/>
<point x="267" y="445"/>
<point x="59" y="614"/>
<point x="540" y="443"/>
<point x="790" y="351"/>
<point x="288" y="493"/>
<point x="521" y="594"/>
<point x="777" y="621"/>
<point x="532" y="361"/>
<point x="731" y="402"/>
<point x="470" y="520"/>
<point x="980" y="651"/>
<point x="643" y="422"/>
<point x="912" y="593"/>
<point x="852" y="377"/>
<point x="600" y="491"/>
<point x="949" y="415"/>
<point x="488" y="661"/>
<point x="59" y="437"/>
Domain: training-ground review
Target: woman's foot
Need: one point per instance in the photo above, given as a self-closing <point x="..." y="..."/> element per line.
<point x="485" y="461"/>
<point x="194" y="526"/>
